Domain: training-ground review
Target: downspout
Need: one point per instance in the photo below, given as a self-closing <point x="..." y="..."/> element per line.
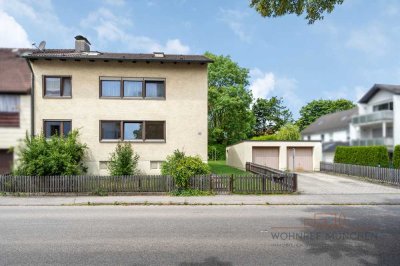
<point x="32" y="99"/>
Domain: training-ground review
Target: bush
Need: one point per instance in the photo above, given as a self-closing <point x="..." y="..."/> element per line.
<point x="396" y="156"/>
<point x="264" y="137"/>
<point x="217" y="152"/>
<point x="369" y="156"/>
<point x="123" y="161"/>
<point x="182" y="167"/>
<point x="55" y="156"/>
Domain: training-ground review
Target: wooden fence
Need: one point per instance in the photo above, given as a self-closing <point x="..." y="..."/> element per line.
<point x="262" y="183"/>
<point x="387" y="175"/>
<point x="280" y="180"/>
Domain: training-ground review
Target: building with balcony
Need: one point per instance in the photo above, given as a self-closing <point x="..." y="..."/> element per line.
<point x="378" y="119"/>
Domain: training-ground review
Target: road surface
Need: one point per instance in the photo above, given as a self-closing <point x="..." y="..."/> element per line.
<point x="199" y="235"/>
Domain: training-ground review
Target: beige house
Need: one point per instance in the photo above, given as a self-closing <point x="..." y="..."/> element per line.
<point x="15" y="104"/>
<point x="282" y="155"/>
<point x="157" y="102"/>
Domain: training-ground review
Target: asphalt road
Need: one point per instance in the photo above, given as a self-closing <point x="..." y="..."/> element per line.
<point x="200" y="235"/>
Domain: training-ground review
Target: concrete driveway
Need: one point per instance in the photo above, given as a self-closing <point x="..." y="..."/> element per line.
<point x="328" y="184"/>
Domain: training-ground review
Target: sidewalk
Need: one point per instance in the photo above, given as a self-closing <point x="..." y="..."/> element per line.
<point x="332" y="199"/>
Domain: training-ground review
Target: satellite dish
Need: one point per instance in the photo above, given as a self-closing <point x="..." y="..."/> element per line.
<point x="42" y="45"/>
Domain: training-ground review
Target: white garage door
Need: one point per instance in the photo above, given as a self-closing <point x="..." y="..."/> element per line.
<point x="303" y="158"/>
<point x="267" y="156"/>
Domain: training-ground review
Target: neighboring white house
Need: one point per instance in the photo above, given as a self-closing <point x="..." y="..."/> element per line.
<point x="378" y="121"/>
<point x="157" y="102"/>
<point x="332" y="130"/>
<point x="15" y="104"/>
<point x="282" y="155"/>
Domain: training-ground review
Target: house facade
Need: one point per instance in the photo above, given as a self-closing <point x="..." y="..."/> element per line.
<point x="155" y="101"/>
<point x="332" y="130"/>
<point x="15" y="104"/>
<point x="378" y="121"/>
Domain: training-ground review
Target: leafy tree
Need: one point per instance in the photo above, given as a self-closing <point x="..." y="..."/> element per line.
<point x="313" y="9"/>
<point x="123" y="161"/>
<point x="270" y="115"/>
<point x="182" y="167"/>
<point x="229" y="116"/>
<point x="396" y="156"/>
<point x="317" y="108"/>
<point x="288" y="132"/>
<point x="55" y="156"/>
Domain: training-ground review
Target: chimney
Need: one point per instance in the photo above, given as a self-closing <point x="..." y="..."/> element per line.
<point x="81" y="44"/>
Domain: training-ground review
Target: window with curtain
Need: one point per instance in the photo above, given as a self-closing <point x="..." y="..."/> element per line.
<point x="9" y="103"/>
<point x="110" y="130"/>
<point x="111" y="88"/>
<point x="155" y="130"/>
<point x="133" y="88"/>
<point x="155" y="89"/>
<point x="57" y="86"/>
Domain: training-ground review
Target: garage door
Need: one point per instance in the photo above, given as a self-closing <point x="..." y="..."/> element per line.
<point x="303" y="158"/>
<point x="6" y="159"/>
<point x="268" y="156"/>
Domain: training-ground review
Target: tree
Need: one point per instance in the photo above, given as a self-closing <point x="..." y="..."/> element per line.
<point x="270" y="115"/>
<point x="313" y="9"/>
<point x="317" y="108"/>
<point x="58" y="155"/>
<point x="229" y="116"/>
<point x="123" y="161"/>
<point x="288" y="132"/>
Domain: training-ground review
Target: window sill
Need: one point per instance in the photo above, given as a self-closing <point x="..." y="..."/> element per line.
<point x="132" y="98"/>
<point x="131" y="141"/>
<point x="57" y="97"/>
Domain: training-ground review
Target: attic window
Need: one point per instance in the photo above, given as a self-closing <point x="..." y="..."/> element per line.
<point x="159" y="54"/>
<point x="91" y="53"/>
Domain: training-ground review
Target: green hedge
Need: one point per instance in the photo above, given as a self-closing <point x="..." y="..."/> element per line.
<point x="217" y="152"/>
<point x="265" y="137"/>
<point x="396" y="157"/>
<point x="368" y="155"/>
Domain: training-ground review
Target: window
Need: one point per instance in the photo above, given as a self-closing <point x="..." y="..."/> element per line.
<point x="103" y="165"/>
<point x="383" y="106"/>
<point x="131" y="88"/>
<point x="155" y="165"/>
<point x="132" y="130"/>
<point x="58" y="128"/>
<point x="322" y="137"/>
<point x="9" y="110"/>
<point x="111" y="130"/>
<point x="57" y="86"/>
<point x="155" y="89"/>
<point x="155" y="130"/>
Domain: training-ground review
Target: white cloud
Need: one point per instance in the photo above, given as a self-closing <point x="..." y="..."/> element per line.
<point x="371" y="41"/>
<point x="13" y="33"/>
<point x="268" y="84"/>
<point x="110" y="28"/>
<point x="354" y="94"/>
<point x="235" y="20"/>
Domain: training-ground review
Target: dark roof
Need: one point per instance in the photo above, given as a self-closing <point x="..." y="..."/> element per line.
<point x="95" y="55"/>
<point x="331" y="122"/>
<point x="331" y="146"/>
<point x="15" y="75"/>
<point x="385" y="87"/>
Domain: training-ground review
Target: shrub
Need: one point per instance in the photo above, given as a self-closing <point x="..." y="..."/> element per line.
<point x="264" y="137"/>
<point x="396" y="156"/>
<point x="217" y="152"/>
<point x="182" y="167"/>
<point x="55" y="156"/>
<point x="288" y="132"/>
<point x="123" y="161"/>
<point x="369" y="156"/>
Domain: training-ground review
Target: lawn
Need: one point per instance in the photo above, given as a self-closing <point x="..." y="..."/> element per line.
<point x="220" y="167"/>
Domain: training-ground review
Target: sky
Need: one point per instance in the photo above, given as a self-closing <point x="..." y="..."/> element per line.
<point x="341" y="56"/>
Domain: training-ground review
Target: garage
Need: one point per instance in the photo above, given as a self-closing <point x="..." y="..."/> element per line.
<point x="6" y="160"/>
<point x="267" y="156"/>
<point x="298" y="155"/>
<point x="300" y="158"/>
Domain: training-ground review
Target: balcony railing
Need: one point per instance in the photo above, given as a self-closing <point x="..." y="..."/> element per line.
<point x="373" y="142"/>
<point x="373" y="117"/>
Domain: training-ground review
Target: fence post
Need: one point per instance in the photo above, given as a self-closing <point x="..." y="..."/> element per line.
<point x="294" y="182"/>
<point x="211" y="188"/>
<point x="264" y="184"/>
<point x="231" y="183"/>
